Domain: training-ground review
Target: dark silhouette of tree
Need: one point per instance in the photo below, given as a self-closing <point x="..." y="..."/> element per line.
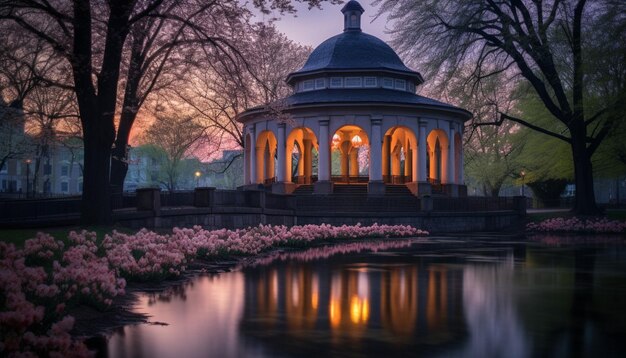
<point x="542" y="42"/>
<point x="91" y="36"/>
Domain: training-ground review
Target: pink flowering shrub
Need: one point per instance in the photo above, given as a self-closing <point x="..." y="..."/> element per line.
<point x="577" y="225"/>
<point x="42" y="280"/>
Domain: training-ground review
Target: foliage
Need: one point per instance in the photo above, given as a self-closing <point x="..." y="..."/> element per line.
<point x="548" y="191"/>
<point x="578" y="225"/>
<point x="172" y="140"/>
<point x="545" y="45"/>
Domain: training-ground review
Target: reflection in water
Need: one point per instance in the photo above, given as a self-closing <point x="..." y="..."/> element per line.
<point x="419" y="298"/>
<point x="494" y="325"/>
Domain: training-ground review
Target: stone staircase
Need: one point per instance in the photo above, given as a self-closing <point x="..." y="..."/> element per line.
<point x="304" y="189"/>
<point x="350" y="189"/>
<point x="397" y="190"/>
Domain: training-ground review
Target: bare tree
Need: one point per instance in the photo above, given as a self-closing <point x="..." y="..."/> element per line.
<point x="223" y="88"/>
<point x="541" y="42"/>
<point x="175" y="138"/>
<point x="90" y="37"/>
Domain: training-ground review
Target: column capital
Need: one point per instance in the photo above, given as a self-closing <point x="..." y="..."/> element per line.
<point x="452" y="126"/>
<point x="281" y="125"/>
<point x="423" y="122"/>
<point x="324" y="122"/>
<point x="376" y="120"/>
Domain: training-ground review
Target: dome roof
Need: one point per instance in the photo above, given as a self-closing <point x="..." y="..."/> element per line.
<point x="354" y="50"/>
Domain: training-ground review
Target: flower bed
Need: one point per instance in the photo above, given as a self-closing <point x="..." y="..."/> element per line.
<point x="577" y="225"/>
<point x="42" y="280"/>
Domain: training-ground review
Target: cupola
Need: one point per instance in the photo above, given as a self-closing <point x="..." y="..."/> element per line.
<point x="352" y="12"/>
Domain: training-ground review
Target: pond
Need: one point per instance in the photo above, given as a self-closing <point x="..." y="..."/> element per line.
<point x="437" y="297"/>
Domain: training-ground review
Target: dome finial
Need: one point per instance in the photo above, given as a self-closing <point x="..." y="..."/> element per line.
<point x="352" y="16"/>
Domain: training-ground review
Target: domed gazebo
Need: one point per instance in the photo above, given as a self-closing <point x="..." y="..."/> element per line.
<point x="354" y="118"/>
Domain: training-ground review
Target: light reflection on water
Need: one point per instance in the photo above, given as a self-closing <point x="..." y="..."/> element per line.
<point x="410" y="297"/>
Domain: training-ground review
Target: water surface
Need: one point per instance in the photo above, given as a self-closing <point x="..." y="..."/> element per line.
<point x="438" y="297"/>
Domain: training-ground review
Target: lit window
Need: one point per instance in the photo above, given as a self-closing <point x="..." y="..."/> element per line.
<point x="308" y="85"/>
<point x="353" y="82"/>
<point x="320" y="83"/>
<point x="370" y="81"/>
<point x="387" y="82"/>
<point x="65" y="187"/>
<point x="400" y="85"/>
<point x="336" y="82"/>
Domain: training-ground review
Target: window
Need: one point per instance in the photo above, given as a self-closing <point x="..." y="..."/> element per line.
<point x="47" y="169"/>
<point x="387" y="82"/>
<point x="336" y="82"/>
<point x="65" y="187"/>
<point x="353" y="82"/>
<point x="400" y="85"/>
<point x="370" y="81"/>
<point x="308" y="85"/>
<point x="411" y="87"/>
<point x="65" y="170"/>
<point x="320" y="83"/>
<point x="80" y="186"/>
<point x="4" y="185"/>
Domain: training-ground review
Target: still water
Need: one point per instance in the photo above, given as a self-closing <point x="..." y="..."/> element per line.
<point x="439" y="297"/>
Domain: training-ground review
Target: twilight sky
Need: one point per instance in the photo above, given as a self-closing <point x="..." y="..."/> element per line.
<point x="311" y="27"/>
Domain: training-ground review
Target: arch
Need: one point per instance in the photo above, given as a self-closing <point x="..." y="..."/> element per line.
<point x="266" y="146"/>
<point x="399" y="164"/>
<point x="458" y="159"/>
<point x="438" y="156"/>
<point x="304" y="141"/>
<point x="350" y="152"/>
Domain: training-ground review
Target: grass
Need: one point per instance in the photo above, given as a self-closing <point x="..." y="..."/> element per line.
<point x="18" y="236"/>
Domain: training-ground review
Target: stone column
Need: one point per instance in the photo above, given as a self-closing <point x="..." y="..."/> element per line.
<point x="414" y="163"/>
<point x="260" y="164"/>
<point x="323" y="185"/>
<point x="252" y="174"/>
<point x="422" y="153"/>
<point x="271" y="165"/>
<point x="408" y="162"/>
<point x="324" y="153"/>
<point x="345" y="154"/>
<point x="308" y="160"/>
<point x="376" y="160"/>
<point x="386" y="156"/>
<point x="282" y="161"/>
<point x="354" y="162"/>
<point x="451" y="162"/>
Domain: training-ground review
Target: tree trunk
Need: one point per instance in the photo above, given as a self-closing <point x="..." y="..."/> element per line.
<point x="585" y="198"/>
<point x="96" y="199"/>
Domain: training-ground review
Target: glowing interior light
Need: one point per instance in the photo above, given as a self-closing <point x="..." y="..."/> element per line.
<point x="336" y="141"/>
<point x="357" y="141"/>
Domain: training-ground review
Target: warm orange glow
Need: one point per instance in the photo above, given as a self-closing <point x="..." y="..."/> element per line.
<point x="359" y="309"/>
<point x="336" y="141"/>
<point x="356" y="141"/>
<point x="334" y="312"/>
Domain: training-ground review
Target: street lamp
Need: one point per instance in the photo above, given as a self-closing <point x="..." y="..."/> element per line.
<point x="197" y="174"/>
<point x="523" y="175"/>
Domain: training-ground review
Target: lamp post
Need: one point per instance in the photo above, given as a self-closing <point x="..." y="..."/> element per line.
<point x="523" y="175"/>
<point x="27" y="176"/>
<point x="197" y="174"/>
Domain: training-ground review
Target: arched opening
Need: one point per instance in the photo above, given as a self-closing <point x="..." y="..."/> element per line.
<point x="302" y="156"/>
<point x="266" y="157"/>
<point x="350" y="155"/>
<point x="437" y="162"/>
<point x="458" y="159"/>
<point x="400" y="159"/>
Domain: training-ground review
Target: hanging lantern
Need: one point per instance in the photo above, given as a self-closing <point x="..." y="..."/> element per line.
<point x="357" y="141"/>
<point x="336" y="141"/>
